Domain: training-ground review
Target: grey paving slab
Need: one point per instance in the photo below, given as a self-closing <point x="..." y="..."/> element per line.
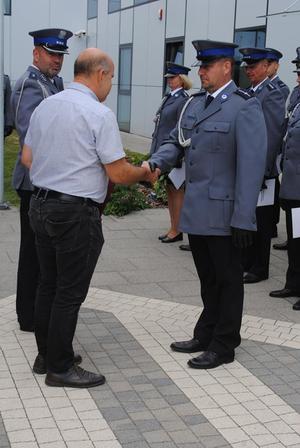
<point x="137" y="399"/>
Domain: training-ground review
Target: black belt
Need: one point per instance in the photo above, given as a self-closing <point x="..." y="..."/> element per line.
<point x="42" y="193"/>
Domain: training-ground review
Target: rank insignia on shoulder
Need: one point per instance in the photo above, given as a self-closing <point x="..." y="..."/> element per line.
<point x="281" y="84"/>
<point x="243" y="94"/>
<point x="271" y="86"/>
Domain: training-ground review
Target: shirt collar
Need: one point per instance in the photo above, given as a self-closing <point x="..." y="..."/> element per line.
<point x="258" y="85"/>
<point x="216" y="93"/>
<point x="172" y="92"/>
<point x="82" y="88"/>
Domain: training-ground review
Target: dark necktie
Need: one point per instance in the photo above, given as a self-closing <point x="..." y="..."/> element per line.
<point x="208" y="100"/>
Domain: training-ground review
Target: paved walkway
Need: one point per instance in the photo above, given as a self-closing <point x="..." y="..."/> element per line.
<point x="144" y="295"/>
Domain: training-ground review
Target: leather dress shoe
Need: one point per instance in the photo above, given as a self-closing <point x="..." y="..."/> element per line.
<point x="186" y="247"/>
<point x="252" y="278"/>
<point x="178" y="237"/>
<point x="283" y="293"/>
<point x="40" y="364"/>
<point x="210" y="360"/>
<point x="191" y="346"/>
<point x="281" y="246"/>
<point x="74" y="377"/>
<point x="162" y="237"/>
<point x="296" y="306"/>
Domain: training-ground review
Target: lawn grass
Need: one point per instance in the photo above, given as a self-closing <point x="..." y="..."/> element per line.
<point x="11" y="148"/>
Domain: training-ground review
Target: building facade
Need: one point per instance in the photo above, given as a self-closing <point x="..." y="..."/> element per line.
<point x="141" y="35"/>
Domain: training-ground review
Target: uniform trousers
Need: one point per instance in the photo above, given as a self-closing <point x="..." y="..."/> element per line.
<point x="293" y="271"/>
<point x="257" y="256"/>
<point x="69" y="241"/>
<point x="28" y="266"/>
<point x="219" y="267"/>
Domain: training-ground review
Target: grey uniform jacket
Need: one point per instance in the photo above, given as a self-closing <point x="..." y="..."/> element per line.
<point x="290" y="184"/>
<point x="167" y="117"/>
<point x="284" y="89"/>
<point x="8" y="119"/>
<point x="225" y="162"/>
<point x="273" y="106"/>
<point x="30" y="89"/>
<point x="294" y="98"/>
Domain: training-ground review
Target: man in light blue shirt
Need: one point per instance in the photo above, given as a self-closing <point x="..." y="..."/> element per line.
<point x="72" y="147"/>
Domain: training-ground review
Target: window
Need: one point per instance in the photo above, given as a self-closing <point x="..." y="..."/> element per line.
<point x="139" y="2"/>
<point x="92" y="11"/>
<point x="174" y="53"/>
<point x="7" y="7"/>
<point x="114" y="5"/>
<point x="251" y="37"/>
<point x="124" y="92"/>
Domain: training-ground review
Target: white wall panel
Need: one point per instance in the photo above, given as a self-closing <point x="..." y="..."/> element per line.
<point x="92" y="28"/>
<point x="220" y="20"/>
<point x="126" y="3"/>
<point x="126" y="26"/>
<point x="247" y="12"/>
<point x="175" y="16"/>
<point x="144" y="104"/>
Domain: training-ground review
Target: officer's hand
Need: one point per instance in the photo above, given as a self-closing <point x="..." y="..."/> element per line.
<point x="7" y="130"/>
<point x="242" y="238"/>
<point x="152" y="173"/>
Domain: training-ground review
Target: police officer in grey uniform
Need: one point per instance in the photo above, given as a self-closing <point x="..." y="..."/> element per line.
<point x="295" y="95"/>
<point x="293" y="100"/>
<point x="290" y="199"/>
<point x="8" y="119"/>
<point x="165" y="120"/>
<point x="38" y="82"/>
<point x="273" y="105"/>
<point x="222" y="135"/>
<point x="273" y="69"/>
<point x="169" y="110"/>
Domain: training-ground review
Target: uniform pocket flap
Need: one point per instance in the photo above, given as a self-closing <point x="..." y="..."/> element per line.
<point x="217" y="126"/>
<point x="188" y="122"/>
<point x="224" y="194"/>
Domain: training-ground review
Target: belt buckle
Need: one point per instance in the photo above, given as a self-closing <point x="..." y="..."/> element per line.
<point x="42" y="194"/>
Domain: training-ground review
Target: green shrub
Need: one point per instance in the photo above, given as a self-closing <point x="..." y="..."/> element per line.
<point x="126" y="199"/>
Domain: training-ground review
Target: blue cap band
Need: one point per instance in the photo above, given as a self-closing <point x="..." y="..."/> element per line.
<point x="177" y="71"/>
<point x="50" y="41"/>
<point x="259" y="56"/>
<point x="215" y="52"/>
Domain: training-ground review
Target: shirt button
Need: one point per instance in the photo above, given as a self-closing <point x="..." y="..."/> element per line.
<point x="197" y="131"/>
<point x="190" y="181"/>
<point x="191" y="163"/>
<point x="193" y="147"/>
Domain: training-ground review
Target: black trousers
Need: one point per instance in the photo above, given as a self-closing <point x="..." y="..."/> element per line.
<point x="293" y="271"/>
<point x="256" y="258"/>
<point x="28" y="266"/>
<point x="220" y="271"/>
<point x="69" y="241"/>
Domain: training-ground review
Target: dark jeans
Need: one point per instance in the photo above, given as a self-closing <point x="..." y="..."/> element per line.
<point x="69" y="241"/>
<point x="28" y="266"/>
<point x="219" y="268"/>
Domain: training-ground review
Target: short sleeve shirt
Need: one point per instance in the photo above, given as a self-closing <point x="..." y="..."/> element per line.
<point x="72" y="136"/>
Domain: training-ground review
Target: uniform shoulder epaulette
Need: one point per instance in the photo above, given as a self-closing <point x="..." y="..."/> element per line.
<point x="32" y="75"/>
<point x="243" y="94"/>
<point x="271" y="86"/>
<point x="281" y="84"/>
<point x="185" y="93"/>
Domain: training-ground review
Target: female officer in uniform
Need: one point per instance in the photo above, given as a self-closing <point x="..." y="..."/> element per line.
<point x="165" y="120"/>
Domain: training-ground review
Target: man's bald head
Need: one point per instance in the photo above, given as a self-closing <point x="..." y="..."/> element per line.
<point x="91" y="60"/>
<point x="95" y="69"/>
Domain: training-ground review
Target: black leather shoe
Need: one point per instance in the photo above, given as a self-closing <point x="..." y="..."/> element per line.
<point x="296" y="306"/>
<point x="281" y="246"/>
<point x="283" y="293"/>
<point x="252" y="278"/>
<point x="191" y="346"/>
<point x="74" y="377"/>
<point x="186" y="247"/>
<point x="178" y="237"/>
<point x="210" y="360"/>
<point x="40" y="365"/>
<point x="162" y="237"/>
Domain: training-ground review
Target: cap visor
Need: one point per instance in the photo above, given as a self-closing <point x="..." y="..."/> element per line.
<point x="53" y="50"/>
<point x="169" y="75"/>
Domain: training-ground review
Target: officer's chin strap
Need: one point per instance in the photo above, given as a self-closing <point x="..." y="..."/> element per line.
<point x="184" y="143"/>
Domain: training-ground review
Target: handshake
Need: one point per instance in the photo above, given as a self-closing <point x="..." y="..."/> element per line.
<point x="151" y="173"/>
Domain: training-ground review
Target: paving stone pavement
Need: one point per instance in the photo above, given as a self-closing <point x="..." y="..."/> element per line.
<point x="144" y="295"/>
